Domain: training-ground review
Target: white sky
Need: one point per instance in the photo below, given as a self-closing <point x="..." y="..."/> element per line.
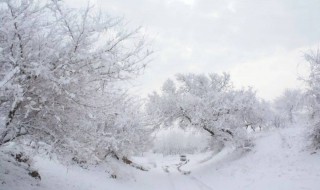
<point x="259" y="42"/>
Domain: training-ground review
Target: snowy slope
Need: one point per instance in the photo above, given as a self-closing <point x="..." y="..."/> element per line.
<point x="279" y="160"/>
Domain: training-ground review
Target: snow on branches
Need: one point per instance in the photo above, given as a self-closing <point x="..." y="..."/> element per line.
<point x="58" y="73"/>
<point x="313" y="94"/>
<point x="208" y="103"/>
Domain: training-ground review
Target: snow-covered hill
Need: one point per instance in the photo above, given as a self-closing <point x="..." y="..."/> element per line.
<point x="278" y="161"/>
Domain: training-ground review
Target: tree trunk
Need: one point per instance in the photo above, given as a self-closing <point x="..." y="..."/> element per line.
<point x="208" y="130"/>
<point x="8" y="130"/>
<point x="12" y="113"/>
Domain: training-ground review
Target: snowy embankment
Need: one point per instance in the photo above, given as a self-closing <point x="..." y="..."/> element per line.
<point x="279" y="160"/>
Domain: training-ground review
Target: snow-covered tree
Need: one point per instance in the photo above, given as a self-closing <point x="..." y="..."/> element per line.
<point x="59" y="69"/>
<point x="289" y="105"/>
<point x="208" y="103"/>
<point x="313" y="94"/>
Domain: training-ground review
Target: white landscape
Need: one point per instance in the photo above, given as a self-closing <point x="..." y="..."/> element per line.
<point x="88" y="101"/>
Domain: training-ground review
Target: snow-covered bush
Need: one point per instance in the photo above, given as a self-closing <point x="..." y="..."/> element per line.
<point x="207" y="103"/>
<point x="59" y="69"/>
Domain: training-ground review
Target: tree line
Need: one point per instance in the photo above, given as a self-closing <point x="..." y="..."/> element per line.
<point x="61" y="75"/>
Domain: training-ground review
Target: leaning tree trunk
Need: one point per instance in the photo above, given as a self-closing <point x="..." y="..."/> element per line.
<point x="12" y="113"/>
<point x="8" y="133"/>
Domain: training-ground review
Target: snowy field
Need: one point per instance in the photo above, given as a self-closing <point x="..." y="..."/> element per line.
<point x="207" y="98"/>
<point x="278" y="161"/>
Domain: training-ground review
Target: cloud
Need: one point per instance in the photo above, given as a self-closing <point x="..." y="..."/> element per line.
<point x="206" y="36"/>
<point x="272" y="74"/>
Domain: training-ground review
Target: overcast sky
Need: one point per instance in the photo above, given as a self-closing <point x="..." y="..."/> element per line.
<point x="259" y="42"/>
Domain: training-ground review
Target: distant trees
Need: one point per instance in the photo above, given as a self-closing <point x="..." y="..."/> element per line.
<point x="59" y="69"/>
<point x="207" y="103"/>
<point x="289" y="104"/>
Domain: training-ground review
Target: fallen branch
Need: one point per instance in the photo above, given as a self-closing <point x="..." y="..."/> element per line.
<point x="135" y="165"/>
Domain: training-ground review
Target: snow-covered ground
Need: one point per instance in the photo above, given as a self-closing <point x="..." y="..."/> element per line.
<point x="279" y="160"/>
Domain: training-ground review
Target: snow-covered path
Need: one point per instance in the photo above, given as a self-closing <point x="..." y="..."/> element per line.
<point x="279" y="161"/>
